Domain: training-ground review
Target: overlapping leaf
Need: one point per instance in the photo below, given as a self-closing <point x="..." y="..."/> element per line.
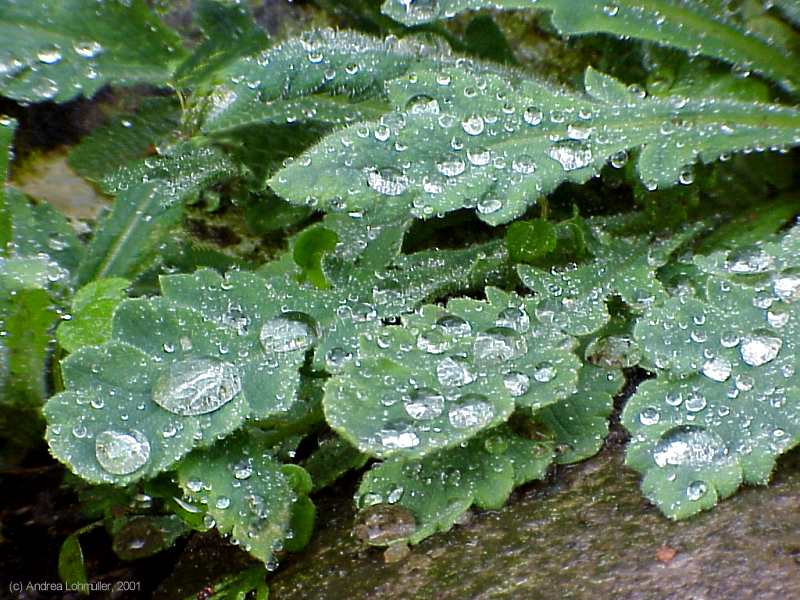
<point x="697" y="26"/>
<point x="726" y="402"/>
<point x="411" y="500"/>
<point x="462" y="136"/>
<point x="323" y="75"/>
<point x="448" y="374"/>
<point x="244" y="491"/>
<point x="574" y="297"/>
<point x="58" y="49"/>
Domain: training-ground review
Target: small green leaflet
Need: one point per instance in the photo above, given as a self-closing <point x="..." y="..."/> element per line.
<point x="244" y="492"/>
<point x="57" y="49"/>
<point x="465" y="135"/>
<point x="92" y="308"/>
<point x="690" y="25"/>
<point x="447" y="374"/>
<point x="297" y="81"/>
<point x="411" y="500"/>
<point x="725" y="403"/>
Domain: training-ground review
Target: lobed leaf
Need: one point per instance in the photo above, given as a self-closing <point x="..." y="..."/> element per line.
<point x="465" y="135"/>
<point x="696" y="26"/>
<point x="57" y="49"/>
<point x="725" y="403"/>
<point x="92" y="308"/>
<point x="448" y="374"/>
<point x="411" y="500"/>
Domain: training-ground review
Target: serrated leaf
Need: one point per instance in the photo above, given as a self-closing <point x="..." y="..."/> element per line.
<point x="465" y="135"/>
<point x="297" y="80"/>
<point x="448" y="374"/>
<point x="411" y="500"/>
<point x="574" y="297"/>
<point x="56" y="50"/>
<point x="244" y="490"/>
<point x="92" y="308"/>
<point x="150" y="198"/>
<point x="230" y="33"/>
<point x="690" y="25"/>
<point x="725" y="403"/>
<point x="127" y="138"/>
<point x="580" y="422"/>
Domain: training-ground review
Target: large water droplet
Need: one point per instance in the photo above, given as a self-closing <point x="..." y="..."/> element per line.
<point x="451" y="168"/>
<point x="422" y="104"/>
<point x="787" y="288"/>
<point x="432" y="342"/>
<point x="454" y="371"/>
<point x="122" y="453"/>
<point x="758" y="350"/>
<point x="87" y="49"/>
<point x="571" y="154"/>
<point x="533" y="116"/>
<point x="387" y="181"/>
<point x="545" y="372"/>
<point x="424" y="404"/>
<point x="473" y="125"/>
<point x="717" y="369"/>
<point x="689" y="446"/>
<point x="289" y="332"/>
<point x="470" y="410"/>
<point x="49" y="55"/>
<point x="498" y="344"/>
<point x="398" y="436"/>
<point x="454" y="326"/>
<point x="649" y="416"/>
<point x="514" y="318"/>
<point x="197" y="386"/>
<point x="750" y="261"/>
<point x="516" y="383"/>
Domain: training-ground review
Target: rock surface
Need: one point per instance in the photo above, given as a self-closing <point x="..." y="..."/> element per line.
<point x="588" y="536"/>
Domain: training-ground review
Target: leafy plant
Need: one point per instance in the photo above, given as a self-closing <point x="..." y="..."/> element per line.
<point x="306" y="267"/>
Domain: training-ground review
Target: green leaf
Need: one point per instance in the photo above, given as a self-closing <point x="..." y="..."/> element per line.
<point x="7" y="129"/>
<point x="466" y="135"/>
<point x="574" y="297"/>
<point x="141" y="536"/>
<point x="292" y="81"/>
<point x="411" y="500"/>
<point x="128" y="137"/>
<point x="56" y="50"/>
<point x="92" y="309"/>
<point x="528" y="240"/>
<point x="447" y="374"/>
<point x="309" y="248"/>
<point x="230" y="34"/>
<point x="580" y="421"/>
<point x="71" y="565"/>
<point x="244" y="491"/>
<point x="725" y="403"/>
<point x="333" y="458"/>
<point x="690" y="25"/>
<point x="150" y="201"/>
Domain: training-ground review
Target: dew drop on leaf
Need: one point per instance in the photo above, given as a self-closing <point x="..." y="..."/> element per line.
<point x="197" y="386"/>
<point x="498" y="344"/>
<point x="454" y="326"/>
<point x="571" y="154"/>
<point x="454" y="371"/>
<point x="717" y="369"/>
<point x="516" y="383"/>
<point x="387" y="181"/>
<point x="689" y="446"/>
<point x="758" y="350"/>
<point x="289" y="332"/>
<point x="470" y="410"/>
<point x="424" y="404"/>
<point x="696" y="490"/>
<point x="122" y="453"/>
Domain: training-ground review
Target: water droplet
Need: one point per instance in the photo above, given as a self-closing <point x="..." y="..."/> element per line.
<point x="619" y="159"/>
<point x="223" y="502"/>
<point x="524" y="165"/>
<point x="696" y="490"/>
<point x="337" y="357"/>
<point x="717" y="369"/>
<point x="422" y="104"/>
<point x="454" y="326"/>
<point x="614" y="352"/>
<point x="398" y="436"/>
<point x="787" y="288"/>
<point x="49" y="55"/>
<point x="197" y="386"/>
<point x="649" y="416"/>
<point x="758" y="350"/>
<point x="514" y="318"/>
<point x="387" y="181"/>
<point x="533" y="116"/>
<point x="498" y="344"/>
<point x="750" y="261"/>
<point x="479" y="157"/>
<point x="384" y="524"/>
<point x="87" y="49"/>
<point x="516" y="383"/>
<point x="729" y="339"/>
<point x="424" y="404"/>
<point x="611" y="10"/>
<point x="454" y="371"/>
<point x="289" y="332"/>
<point x="432" y="342"/>
<point x="122" y="453"/>
<point x="470" y="410"/>
<point x="473" y="125"/>
<point x="242" y="470"/>
<point x="451" y="168"/>
<point x="489" y="205"/>
<point x="571" y="154"/>
<point x="545" y="372"/>
<point x="695" y="402"/>
<point x="689" y="446"/>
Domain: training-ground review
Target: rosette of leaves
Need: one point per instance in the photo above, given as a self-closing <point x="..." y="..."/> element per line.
<point x="447" y="374"/>
<point x="468" y="135"/>
<point x="726" y="402"/>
